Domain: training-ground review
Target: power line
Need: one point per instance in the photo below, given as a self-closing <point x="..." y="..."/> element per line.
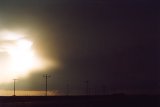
<point x="46" y="76"/>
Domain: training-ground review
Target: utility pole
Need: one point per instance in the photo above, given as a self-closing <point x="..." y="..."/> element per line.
<point x="87" y="87"/>
<point x="95" y="90"/>
<point x="14" y="87"/>
<point x="68" y="89"/>
<point x="103" y="90"/>
<point x="46" y="76"/>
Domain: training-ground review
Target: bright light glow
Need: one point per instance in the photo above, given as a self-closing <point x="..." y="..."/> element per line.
<point x="17" y="56"/>
<point x="7" y="35"/>
<point x="22" y="57"/>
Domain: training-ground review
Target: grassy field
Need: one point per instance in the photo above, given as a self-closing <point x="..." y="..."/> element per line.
<point x="80" y="101"/>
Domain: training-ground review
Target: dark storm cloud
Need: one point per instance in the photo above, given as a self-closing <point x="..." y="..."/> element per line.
<point x="106" y="42"/>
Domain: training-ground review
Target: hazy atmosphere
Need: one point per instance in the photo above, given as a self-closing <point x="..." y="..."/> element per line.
<point x="111" y="44"/>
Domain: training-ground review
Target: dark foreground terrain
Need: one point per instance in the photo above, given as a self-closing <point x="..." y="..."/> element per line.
<point x="81" y="101"/>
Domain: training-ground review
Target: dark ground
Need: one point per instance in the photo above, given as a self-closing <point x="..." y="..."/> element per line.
<point x="81" y="101"/>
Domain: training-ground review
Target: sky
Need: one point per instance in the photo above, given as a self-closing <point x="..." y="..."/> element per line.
<point x="110" y="43"/>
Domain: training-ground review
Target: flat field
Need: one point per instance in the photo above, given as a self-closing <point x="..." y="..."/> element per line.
<point x="81" y="101"/>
